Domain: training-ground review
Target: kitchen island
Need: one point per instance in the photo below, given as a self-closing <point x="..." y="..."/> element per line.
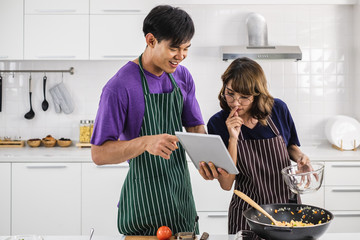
<point x="326" y="236"/>
<point x="68" y="177"/>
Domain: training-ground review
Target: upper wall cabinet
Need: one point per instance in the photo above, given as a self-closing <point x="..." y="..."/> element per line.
<point x="11" y="25"/>
<point x="116" y="36"/>
<point x="119" y="7"/>
<point x="56" y="37"/>
<point x="56" y="7"/>
<point x="259" y="2"/>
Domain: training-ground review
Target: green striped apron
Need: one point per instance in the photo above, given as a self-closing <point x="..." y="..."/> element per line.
<point x="157" y="191"/>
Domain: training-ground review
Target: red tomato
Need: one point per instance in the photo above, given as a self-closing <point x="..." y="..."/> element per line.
<point x="164" y="233"/>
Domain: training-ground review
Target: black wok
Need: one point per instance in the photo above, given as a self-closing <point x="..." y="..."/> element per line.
<point x="263" y="227"/>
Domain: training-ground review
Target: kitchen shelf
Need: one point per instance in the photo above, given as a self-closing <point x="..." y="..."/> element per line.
<point x="71" y="71"/>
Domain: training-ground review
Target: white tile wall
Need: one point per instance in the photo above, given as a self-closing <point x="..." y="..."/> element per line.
<point x="356" y="52"/>
<point x="315" y="88"/>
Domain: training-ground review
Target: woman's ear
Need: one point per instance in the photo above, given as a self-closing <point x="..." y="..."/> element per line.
<point x="150" y="40"/>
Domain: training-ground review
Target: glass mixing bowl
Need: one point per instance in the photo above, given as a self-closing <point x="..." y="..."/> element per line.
<point x="304" y="180"/>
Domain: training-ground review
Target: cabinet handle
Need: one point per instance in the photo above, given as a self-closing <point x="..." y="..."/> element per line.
<point x="55" y="56"/>
<point x="55" y="10"/>
<point x="122" y="10"/>
<point x="113" y="166"/>
<point x="120" y="56"/>
<point x="341" y="165"/>
<point x="45" y="166"/>
<point x="346" y="214"/>
<point x="345" y="190"/>
<point x="215" y="215"/>
<point x="3" y="57"/>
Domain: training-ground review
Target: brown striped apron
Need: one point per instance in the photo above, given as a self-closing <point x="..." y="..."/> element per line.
<point x="259" y="163"/>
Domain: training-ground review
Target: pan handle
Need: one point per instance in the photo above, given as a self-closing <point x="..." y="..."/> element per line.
<point x="278" y="229"/>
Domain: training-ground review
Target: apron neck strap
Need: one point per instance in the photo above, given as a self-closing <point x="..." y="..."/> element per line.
<point x="144" y="81"/>
<point x="143" y="78"/>
<point x="273" y="126"/>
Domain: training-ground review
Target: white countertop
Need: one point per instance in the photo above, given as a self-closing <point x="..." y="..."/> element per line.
<point x="323" y="151"/>
<point x="326" y="236"/>
<point x="44" y="154"/>
<point x="318" y="151"/>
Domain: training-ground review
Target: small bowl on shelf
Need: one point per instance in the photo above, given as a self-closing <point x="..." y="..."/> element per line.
<point x="303" y="180"/>
<point x="64" y="142"/>
<point x="34" y="142"/>
<point x="49" y="141"/>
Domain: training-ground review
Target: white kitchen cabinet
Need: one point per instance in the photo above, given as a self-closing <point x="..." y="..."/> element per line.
<point x="208" y="195"/>
<point x="120" y="7"/>
<point x="259" y="2"/>
<point x="342" y="195"/>
<point x="11" y="25"/>
<point x="342" y="173"/>
<point x="345" y="221"/>
<point x="212" y="203"/>
<point x="101" y="187"/>
<point x="5" y="190"/>
<point x="213" y="222"/>
<point x="116" y="36"/>
<point x="56" y="7"/>
<point x="315" y="198"/>
<point x="46" y="198"/>
<point x="61" y="37"/>
<point x="343" y="198"/>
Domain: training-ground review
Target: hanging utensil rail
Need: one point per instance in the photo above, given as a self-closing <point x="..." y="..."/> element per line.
<point x="71" y="71"/>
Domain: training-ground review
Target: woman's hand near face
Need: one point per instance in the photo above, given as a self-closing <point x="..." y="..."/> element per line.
<point x="233" y="123"/>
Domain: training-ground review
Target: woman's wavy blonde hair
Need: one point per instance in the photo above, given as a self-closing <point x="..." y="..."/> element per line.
<point x="248" y="78"/>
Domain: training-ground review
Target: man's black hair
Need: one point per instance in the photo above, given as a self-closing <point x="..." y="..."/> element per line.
<point x="169" y="23"/>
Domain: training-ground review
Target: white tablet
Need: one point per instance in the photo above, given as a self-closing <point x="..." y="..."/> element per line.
<point x="207" y="148"/>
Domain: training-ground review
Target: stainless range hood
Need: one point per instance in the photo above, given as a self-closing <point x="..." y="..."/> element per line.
<point x="259" y="48"/>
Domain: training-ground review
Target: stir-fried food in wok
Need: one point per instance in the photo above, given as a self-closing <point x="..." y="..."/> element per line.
<point x="293" y="223"/>
<point x="301" y="223"/>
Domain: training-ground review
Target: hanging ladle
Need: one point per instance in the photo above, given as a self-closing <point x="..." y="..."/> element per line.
<point x="257" y="207"/>
<point x="44" y="104"/>
<point x="30" y="115"/>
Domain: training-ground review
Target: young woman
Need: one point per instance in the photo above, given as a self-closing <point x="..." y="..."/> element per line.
<point x="260" y="135"/>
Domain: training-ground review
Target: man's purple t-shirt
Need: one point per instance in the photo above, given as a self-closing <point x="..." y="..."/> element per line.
<point x="122" y="106"/>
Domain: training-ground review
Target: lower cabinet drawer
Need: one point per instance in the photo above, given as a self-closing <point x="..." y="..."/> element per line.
<point x="345" y="221"/>
<point x="208" y="195"/>
<point x="342" y="198"/>
<point x="342" y="173"/>
<point x="213" y="222"/>
<point x="314" y="199"/>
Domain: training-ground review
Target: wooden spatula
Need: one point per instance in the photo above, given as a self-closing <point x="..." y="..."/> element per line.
<point x="256" y="206"/>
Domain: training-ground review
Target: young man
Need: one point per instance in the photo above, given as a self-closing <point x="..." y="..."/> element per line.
<point x="140" y="108"/>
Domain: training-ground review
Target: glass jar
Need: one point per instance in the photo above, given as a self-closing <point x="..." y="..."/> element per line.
<point x="84" y="131"/>
<point x="91" y="127"/>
